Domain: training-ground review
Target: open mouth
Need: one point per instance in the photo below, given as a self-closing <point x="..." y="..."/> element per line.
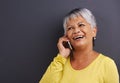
<point x="78" y="37"/>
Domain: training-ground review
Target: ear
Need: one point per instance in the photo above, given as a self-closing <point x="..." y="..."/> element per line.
<point x="94" y="31"/>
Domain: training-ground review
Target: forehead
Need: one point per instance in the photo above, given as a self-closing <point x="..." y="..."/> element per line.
<point x="76" y="19"/>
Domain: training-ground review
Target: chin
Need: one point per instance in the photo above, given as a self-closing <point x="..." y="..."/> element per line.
<point x="79" y="44"/>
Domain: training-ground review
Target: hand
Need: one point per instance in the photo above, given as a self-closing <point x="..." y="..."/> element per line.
<point x="65" y="52"/>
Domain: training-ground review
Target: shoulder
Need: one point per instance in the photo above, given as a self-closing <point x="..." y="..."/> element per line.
<point x="110" y="70"/>
<point x="106" y="59"/>
<point x="107" y="62"/>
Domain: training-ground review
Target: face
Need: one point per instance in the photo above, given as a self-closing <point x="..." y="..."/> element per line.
<point x="79" y="32"/>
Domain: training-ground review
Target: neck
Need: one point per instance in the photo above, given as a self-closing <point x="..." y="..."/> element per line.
<point x="82" y="54"/>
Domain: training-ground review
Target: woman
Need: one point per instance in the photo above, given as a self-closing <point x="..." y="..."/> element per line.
<point x="80" y="64"/>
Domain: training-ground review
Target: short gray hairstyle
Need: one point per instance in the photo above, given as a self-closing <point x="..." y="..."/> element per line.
<point x="85" y="13"/>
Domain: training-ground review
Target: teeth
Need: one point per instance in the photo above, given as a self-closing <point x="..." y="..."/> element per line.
<point x="77" y="37"/>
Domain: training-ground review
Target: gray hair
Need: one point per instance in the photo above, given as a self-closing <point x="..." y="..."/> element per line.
<point x="85" y="13"/>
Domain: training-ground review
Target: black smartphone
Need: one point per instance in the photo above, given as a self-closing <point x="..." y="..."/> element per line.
<point x="67" y="44"/>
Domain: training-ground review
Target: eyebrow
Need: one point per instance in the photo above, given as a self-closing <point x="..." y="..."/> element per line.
<point x="77" y="24"/>
<point x="69" y="26"/>
<point x="80" y="23"/>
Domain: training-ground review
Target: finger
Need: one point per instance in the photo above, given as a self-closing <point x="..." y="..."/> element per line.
<point x="64" y="38"/>
<point x="60" y="43"/>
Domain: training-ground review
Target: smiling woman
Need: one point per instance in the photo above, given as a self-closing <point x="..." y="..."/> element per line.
<point x="75" y="65"/>
<point x="79" y="31"/>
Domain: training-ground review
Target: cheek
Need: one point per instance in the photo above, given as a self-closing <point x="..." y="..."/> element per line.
<point x="69" y="34"/>
<point x="90" y="35"/>
<point x="88" y="31"/>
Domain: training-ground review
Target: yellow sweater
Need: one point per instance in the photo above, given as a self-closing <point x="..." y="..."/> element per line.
<point x="101" y="70"/>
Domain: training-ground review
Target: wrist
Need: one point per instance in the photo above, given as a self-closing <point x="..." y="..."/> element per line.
<point x="63" y="55"/>
<point x="61" y="58"/>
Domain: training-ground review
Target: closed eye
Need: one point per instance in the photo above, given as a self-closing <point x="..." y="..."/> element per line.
<point x="69" y="28"/>
<point x="81" y="25"/>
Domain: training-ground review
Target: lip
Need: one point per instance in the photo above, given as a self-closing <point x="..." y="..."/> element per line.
<point x="78" y="37"/>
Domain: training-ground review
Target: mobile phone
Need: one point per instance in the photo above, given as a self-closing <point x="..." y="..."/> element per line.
<point x="67" y="45"/>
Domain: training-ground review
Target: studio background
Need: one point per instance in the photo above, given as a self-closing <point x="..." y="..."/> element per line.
<point x="29" y="31"/>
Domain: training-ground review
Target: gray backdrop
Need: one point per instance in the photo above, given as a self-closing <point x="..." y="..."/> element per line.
<point x="29" y="31"/>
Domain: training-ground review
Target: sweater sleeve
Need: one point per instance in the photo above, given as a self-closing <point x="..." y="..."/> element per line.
<point x="111" y="72"/>
<point x="54" y="71"/>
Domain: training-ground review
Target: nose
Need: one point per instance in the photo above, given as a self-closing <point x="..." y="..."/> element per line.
<point x="76" y="30"/>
